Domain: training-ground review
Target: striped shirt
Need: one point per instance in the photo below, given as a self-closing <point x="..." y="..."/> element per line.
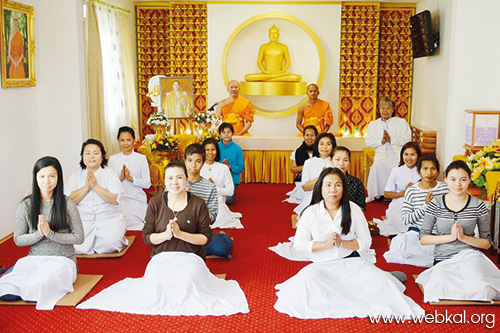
<point x="208" y="192"/>
<point x="414" y="206"/>
<point x="439" y="216"/>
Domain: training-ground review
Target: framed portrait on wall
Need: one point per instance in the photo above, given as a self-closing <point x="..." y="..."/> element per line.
<point x="177" y="97"/>
<point x="17" y="45"/>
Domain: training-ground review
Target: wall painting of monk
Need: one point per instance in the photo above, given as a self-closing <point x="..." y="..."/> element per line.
<point x="17" y="45"/>
<point x="176" y="95"/>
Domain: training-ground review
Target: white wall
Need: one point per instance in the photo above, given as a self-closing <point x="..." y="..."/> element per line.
<point x="464" y="75"/>
<point x="49" y="119"/>
<point x="431" y="75"/>
<point x="475" y="63"/>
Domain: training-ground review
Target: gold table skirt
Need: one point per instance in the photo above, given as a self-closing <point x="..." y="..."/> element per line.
<point x="273" y="166"/>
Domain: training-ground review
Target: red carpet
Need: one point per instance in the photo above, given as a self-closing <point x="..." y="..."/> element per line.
<point x="257" y="269"/>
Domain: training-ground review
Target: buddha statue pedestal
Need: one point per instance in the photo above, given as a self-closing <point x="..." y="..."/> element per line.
<point x="273" y="88"/>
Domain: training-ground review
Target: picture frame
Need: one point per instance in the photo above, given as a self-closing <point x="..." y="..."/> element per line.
<point x="17" y="45"/>
<point x="176" y="96"/>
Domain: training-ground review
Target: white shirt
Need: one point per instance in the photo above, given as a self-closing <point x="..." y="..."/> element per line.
<point x="313" y="167"/>
<point x="400" y="177"/>
<point x="221" y="176"/>
<point x="93" y="207"/>
<point x="138" y="167"/>
<point x="398" y="130"/>
<point x="316" y="225"/>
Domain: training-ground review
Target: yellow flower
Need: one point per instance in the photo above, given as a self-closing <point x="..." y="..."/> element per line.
<point x="486" y="163"/>
<point x="153" y="146"/>
<point x="476" y="174"/>
<point x="487" y="149"/>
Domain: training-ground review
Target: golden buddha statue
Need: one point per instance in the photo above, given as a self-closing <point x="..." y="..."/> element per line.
<point x="273" y="61"/>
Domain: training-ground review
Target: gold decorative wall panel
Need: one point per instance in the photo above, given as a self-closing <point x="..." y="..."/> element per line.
<point x="153" y="53"/>
<point x="171" y="41"/>
<point x="395" y="61"/>
<point x="358" y="65"/>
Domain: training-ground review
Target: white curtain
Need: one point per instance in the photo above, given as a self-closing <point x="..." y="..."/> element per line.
<point x="112" y="93"/>
<point x="112" y="73"/>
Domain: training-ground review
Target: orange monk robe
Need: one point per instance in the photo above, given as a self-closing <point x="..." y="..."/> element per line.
<point x="16" y="52"/>
<point x="319" y="115"/>
<point x="237" y="112"/>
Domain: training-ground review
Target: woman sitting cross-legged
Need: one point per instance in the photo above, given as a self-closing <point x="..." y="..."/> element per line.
<point x="340" y="283"/>
<point x="299" y="157"/>
<point x="220" y="175"/>
<point x="386" y="135"/>
<point x="176" y="280"/>
<point x="133" y="170"/>
<point x="322" y="158"/>
<point x="460" y="271"/>
<point x="400" y="178"/>
<point x="49" y="222"/>
<point x="405" y="248"/>
<point x="96" y="189"/>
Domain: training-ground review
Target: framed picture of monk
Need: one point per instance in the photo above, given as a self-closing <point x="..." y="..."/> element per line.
<point x="17" y="45"/>
<point x="176" y="95"/>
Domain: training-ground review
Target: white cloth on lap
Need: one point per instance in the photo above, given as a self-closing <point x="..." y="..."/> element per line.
<point x="469" y="275"/>
<point x="221" y="176"/>
<point x="41" y="279"/>
<point x="226" y="218"/>
<point x="406" y="249"/>
<point x="103" y="223"/>
<point x="175" y="283"/>
<point x="378" y="175"/>
<point x="344" y="288"/>
<point x="398" y="180"/>
<point x="296" y="195"/>
<point x="286" y="250"/>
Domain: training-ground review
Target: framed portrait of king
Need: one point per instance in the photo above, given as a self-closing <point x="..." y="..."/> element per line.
<point x="17" y="45"/>
<point x="176" y="94"/>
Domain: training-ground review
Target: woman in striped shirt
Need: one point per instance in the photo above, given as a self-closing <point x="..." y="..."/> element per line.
<point x="406" y="248"/>
<point x="460" y="272"/>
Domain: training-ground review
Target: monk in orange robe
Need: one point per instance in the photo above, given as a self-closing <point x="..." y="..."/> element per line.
<point x="16" y="51"/>
<point x="236" y="110"/>
<point x="315" y="111"/>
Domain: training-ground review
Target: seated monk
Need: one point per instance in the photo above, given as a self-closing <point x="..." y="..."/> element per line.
<point x="315" y="111"/>
<point x="236" y="110"/>
<point x="270" y="62"/>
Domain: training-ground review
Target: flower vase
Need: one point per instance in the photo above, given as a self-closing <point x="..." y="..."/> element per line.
<point x="159" y="130"/>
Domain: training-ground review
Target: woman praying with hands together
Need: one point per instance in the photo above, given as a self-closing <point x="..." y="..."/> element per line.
<point x="96" y="189"/>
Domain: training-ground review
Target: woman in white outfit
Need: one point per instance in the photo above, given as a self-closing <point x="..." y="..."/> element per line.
<point x="48" y="222"/>
<point x="133" y="169"/>
<point x="386" y="134"/>
<point x="339" y="283"/>
<point x="220" y="175"/>
<point x="177" y="280"/>
<point x="400" y="178"/>
<point x="97" y="190"/>
<point x="322" y="158"/>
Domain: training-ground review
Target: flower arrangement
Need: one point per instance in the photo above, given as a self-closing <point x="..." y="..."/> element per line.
<point x="487" y="159"/>
<point x="204" y="118"/>
<point x="158" y="119"/>
<point x="209" y="134"/>
<point x="165" y="143"/>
